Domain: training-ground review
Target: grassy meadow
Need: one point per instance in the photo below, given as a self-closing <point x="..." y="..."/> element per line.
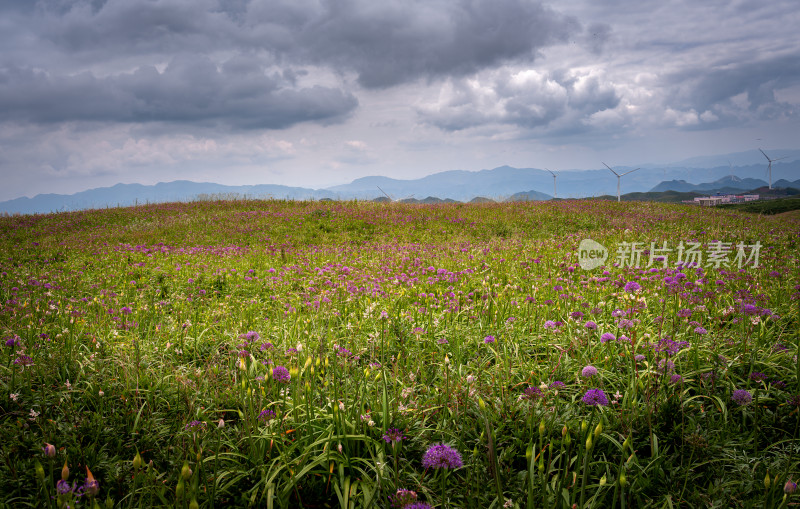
<point x="354" y="354"/>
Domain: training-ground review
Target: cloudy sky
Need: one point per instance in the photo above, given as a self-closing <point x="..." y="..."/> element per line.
<point x="318" y="92"/>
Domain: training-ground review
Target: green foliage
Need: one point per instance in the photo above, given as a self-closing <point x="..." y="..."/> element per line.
<point x="141" y="343"/>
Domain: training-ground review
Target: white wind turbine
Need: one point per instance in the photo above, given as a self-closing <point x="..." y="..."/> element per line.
<point x="619" y="176"/>
<point x="769" y="168"/>
<point x="555" y="194"/>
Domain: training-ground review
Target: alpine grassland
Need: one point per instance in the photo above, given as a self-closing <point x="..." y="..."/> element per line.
<point x="355" y="354"/>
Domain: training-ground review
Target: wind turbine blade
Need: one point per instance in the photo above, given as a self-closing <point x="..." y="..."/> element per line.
<point x="629" y="172"/>
<point x="780" y="158"/>
<point x="612" y="171"/>
<point x="765" y="155"/>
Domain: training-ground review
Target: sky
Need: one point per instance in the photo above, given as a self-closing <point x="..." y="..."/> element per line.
<point x="316" y="93"/>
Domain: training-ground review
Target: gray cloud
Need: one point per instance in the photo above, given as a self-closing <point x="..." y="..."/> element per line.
<point x="527" y="99"/>
<point x="191" y="89"/>
<point x="717" y="88"/>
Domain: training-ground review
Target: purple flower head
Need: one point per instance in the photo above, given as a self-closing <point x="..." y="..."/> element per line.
<point x="550" y="324"/>
<point x="281" y="374"/>
<point x="266" y="415"/>
<point x="700" y="330"/>
<point x="675" y="379"/>
<point x="576" y="315"/>
<point x="442" y="341"/>
<point x="125" y="310"/>
<point x="13" y="340"/>
<point x="250" y="336"/>
<point x="558" y="384"/>
<point x="590" y="325"/>
<point x="632" y="287"/>
<point x="758" y="377"/>
<point x="606" y="337"/>
<point x="742" y="397"/>
<point x="393" y="435"/>
<point x="684" y="313"/>
<point x="595" y="397"/>
<point x="588" y="371"/>
<point x="403" y="498"/>
<point x="195" y="424"/>
<point x="790" y="487"/>
<point x="265" y="346"/>
<point x="533" y="393"/>
<point x="418" y="505"/>
<point x="441" y="456"/>
<point x="488" y="339"/>
<point x="63" y="487"/>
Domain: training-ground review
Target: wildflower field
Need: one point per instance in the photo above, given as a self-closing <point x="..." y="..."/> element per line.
<point x="329" y="354"/>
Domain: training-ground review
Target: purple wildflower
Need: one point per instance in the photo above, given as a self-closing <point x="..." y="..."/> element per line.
<point x="606" y="337"/>
<point x="700" y="330"/>
<point x="790" y="487"/>
<point x="675" y="379"/>
<point x="403" y="498"/>
<point x="281" y="374"/>
<point x="588" y="371"/>
<point x="558" y="384"/>
<point x="591" y="325"/>
<point x="758" y="377"/>
<point x="595" y="397"/>
<point x="266" y="415"/>
<point x="533" y="393"/>
<point x="393" y="435"/>
<point x="488" y="339"/>
<point x="632" y="287"/>
<point x="418" y="505"/>
<point x="442" y="456"/>
<point x="742" y="397"/>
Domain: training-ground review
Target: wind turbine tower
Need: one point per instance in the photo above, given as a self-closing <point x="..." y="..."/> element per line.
<point x="555" y="194"/>
<point x="619" y="177"/>
<point x="769" y="168"/>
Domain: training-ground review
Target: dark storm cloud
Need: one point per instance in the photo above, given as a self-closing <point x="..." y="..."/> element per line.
<point x="192" y="89"/>
<point x="716" y="88"/>
<point x="387" y="43"/>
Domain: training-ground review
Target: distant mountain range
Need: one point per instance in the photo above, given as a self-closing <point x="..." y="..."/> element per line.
<point x="499" y="184"/>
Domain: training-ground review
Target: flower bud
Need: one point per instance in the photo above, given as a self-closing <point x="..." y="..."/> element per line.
<point x="186" y="472"/>
<point x="65" y="472"/>
<point x="541" y="430"/>
<point x="482" y="404"/>
<point x="179" y="489"/>
<point x="623" y="481"/>
<point x="49" y="450"/>
<point x="92" y="486"/>
<point x="221" y="423"/>
<point x="193" y="504"/>
<point x="589" y="443"/>
<point x="564" y="431"/>
<point x="603" y="481"/>
<point x="766" y="481"/>
<point x="584" y="425"/>
<point x="137" y="461"/>
<point x="626" y="444"/>
<point x="529" y="452"/>
<point x="567" y="439"/>
<point x="598" y="430"/>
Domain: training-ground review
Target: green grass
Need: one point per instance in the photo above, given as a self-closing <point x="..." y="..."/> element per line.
<point x="142" y="344"/>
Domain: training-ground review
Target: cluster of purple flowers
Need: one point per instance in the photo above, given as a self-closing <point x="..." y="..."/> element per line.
<point x="281" y="374"/>
<point x="442" y="456"/>
<point x="742" y="397"/>
<point x="266" y="415"/>
<point x="588" y="371"/>
<point x="595" y="397"/>
<point x="393" y="435"/>
<point x="489" y="339"/>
